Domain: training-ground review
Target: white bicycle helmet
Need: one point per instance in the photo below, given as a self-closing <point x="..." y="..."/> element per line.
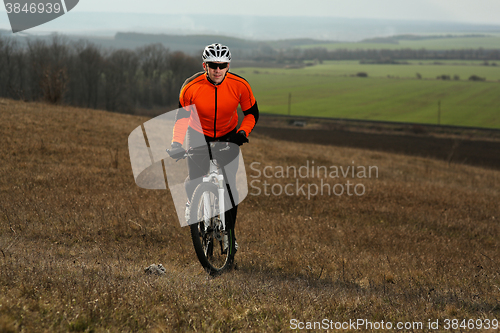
<point x="216" y="53"/>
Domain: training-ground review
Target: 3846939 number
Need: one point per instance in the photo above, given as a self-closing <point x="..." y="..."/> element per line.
<point x="33" y="8"/>
<point x="471" y="324"/>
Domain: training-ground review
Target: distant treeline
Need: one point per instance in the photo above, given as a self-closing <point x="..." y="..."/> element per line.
<point x="298" y="55"/>
<point x="85" y="75"/>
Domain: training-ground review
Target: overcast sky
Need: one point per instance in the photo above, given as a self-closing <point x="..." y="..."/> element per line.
<point x="460" y="11"/>
<point x="474" y="11"/>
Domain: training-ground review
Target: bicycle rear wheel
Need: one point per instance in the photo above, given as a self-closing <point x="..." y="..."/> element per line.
<point x="214" y="245"/>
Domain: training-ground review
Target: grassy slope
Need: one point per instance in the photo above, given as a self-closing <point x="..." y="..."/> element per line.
<point x="329" y="91"/>
<point x="75" y="234"/>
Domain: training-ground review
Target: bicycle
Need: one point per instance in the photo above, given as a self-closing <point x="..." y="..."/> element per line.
<point x="212" y="236"/>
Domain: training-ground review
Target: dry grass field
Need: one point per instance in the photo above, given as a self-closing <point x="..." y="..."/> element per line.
<point x="422" y="243"/>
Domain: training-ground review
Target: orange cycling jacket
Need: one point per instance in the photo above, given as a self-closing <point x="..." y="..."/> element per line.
<point x="216" y="106"/>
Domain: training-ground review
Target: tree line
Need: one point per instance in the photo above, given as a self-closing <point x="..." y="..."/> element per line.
<point x="85" y="75"/>
<point x="378" y="55"/>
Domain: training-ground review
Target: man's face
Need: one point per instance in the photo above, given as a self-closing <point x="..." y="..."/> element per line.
<point x="216" y="74"/>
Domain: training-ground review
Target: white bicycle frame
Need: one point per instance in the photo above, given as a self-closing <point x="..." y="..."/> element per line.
<point x="214" y="176"/>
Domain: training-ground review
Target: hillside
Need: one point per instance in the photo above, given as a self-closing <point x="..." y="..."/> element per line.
<point x="421" y="243"/>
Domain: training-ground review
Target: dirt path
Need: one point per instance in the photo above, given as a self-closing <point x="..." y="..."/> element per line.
<point x="474" y="152"/>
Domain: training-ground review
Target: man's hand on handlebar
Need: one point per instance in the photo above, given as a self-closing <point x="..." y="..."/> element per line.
<point x="176" y="151"/>
<point x="238" y="138"/>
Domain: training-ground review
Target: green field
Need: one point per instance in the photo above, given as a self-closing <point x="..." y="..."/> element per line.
<point x="389" y="93"/>
<point x="455" y="43"/>
<point x="427" y="69"/>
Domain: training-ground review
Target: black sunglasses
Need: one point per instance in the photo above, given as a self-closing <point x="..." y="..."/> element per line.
<point x="214" y="65"/>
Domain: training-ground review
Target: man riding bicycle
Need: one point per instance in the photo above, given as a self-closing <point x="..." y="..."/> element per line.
<point x="216" y="94"/>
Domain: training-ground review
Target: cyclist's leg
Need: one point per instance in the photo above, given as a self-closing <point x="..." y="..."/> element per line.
<point x="198" y="165"/>
<point x="231" y="217"/>
<point x="195" y="176"/>
<point x="230" y="171"/>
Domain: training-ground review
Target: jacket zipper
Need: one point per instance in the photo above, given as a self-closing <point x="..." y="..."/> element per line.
<point x="215" y="118"/>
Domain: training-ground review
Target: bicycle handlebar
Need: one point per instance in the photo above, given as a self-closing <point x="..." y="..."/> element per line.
<point x="218" y="146"/>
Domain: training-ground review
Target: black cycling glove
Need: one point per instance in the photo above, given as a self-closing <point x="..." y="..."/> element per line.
<point x="176" y="151"/>
<point x="238" y="138"/>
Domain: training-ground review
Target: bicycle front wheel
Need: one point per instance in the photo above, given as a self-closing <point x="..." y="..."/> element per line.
<point x="214" y="244"/>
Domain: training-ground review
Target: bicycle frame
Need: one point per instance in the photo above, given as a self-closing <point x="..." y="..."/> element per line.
<point x="217" y="178"/>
